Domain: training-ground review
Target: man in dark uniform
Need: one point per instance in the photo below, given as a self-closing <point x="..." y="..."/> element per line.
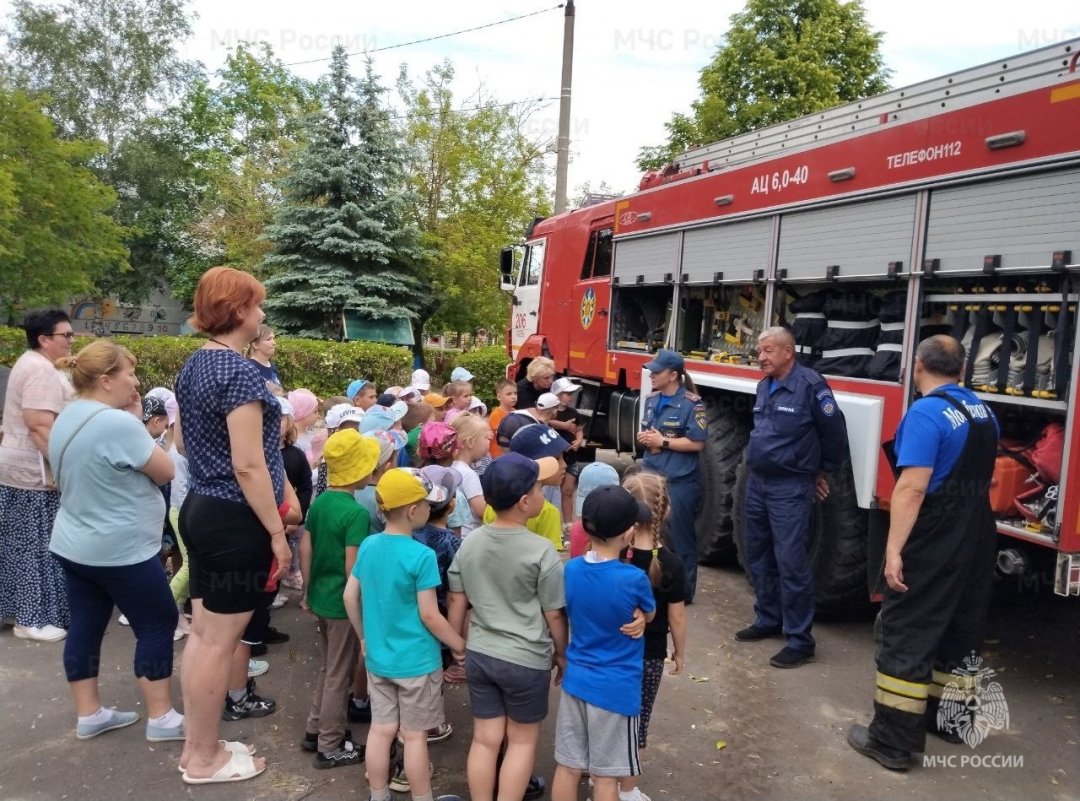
<point x="939" y="559"/>
<point x="673" y="433"/>
<point x="798" y="437"/>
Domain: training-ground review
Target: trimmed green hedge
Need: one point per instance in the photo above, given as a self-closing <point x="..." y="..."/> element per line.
<point x="488" y="365"/>
<point x="325" y="368"/>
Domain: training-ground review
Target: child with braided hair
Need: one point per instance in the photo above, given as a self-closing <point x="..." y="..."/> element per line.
<point x="667" y="575"/>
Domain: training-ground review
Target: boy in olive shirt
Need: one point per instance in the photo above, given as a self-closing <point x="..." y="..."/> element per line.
<point x="513" y="581"/>
<point x="336" y="525"/>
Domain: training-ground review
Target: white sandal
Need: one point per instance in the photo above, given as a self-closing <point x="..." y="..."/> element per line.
<point x="233" y="747"/>
<point x="240" y="767"/>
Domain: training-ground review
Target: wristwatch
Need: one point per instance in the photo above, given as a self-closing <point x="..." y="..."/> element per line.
<point x="665" y="444"/>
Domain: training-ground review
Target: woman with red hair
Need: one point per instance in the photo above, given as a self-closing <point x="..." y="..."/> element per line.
<point x="229" y="426"/>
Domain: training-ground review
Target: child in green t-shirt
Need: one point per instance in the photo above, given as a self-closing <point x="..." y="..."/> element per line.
<point x="336" y="526"/>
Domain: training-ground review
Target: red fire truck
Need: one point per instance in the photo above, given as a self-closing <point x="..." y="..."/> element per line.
<point x="949" y="206"/>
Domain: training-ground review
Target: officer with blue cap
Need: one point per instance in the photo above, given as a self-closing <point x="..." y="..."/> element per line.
<point x="798" y="437"/>
<point x="673" y="433"/>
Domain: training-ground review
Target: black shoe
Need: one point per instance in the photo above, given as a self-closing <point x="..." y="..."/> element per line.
<point x="250" y="706"/>
<point x="310" y="742"/>
<point x="755" y="633"/>
<point x="345" y="754"/>
<point x="358" y="714"/>
<point x="788" y="657"/>
<point x="534" y="789"/>
<point x="274" y="637"/>
<point x="858" y="737"/>
<point x="258" y="649"/>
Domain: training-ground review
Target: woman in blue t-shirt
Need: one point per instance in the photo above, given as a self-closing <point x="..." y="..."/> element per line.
<point x="229" y="427"/>
<point x="107" y="538"/>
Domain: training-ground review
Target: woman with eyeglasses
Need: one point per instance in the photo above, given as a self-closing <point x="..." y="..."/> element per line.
<point x="32" y="591"/>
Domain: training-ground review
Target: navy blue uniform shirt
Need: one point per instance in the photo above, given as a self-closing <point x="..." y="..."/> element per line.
<point x="674" y="416"/>
<point x="798" y="428"/>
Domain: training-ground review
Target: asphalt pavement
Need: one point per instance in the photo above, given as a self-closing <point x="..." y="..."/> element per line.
<point x="731" y="727"/>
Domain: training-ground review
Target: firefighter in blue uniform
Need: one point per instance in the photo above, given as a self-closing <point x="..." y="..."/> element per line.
<point x="939" y="566"/>
<point x="673" y="433"/>
<point x="798" y="437"/>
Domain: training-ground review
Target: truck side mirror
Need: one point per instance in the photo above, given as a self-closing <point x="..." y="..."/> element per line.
<point x="506" y="269"/>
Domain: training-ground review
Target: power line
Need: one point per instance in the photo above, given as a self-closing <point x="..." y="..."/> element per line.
<point x="486" y="106"/>
<point x="430" y="38"/>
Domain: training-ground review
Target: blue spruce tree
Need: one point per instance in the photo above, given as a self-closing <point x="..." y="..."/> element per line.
<point x="342" y="239"/>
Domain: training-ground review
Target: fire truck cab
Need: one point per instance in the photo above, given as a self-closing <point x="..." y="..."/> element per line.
<point x="946" y="207"/>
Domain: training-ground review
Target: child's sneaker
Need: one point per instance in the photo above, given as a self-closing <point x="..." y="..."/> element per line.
<point x="399" y="782"/>
<point x="257" y="667"/>
<point x="250" y="706"/>
<point x="633" y="795"/>
<point x="440" y="733"/>
<point x="345" y="754"/>
<point x="310" y="742"/>
<point x="279" y="600"/>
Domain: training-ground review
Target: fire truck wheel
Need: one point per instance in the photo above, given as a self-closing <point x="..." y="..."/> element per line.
<point x="837" y="548"/>
<point x="729" y="420"/>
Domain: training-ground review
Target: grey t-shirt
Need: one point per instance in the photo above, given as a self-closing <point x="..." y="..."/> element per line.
<point x="110" y="514"/>
<point x="511" y="577"/>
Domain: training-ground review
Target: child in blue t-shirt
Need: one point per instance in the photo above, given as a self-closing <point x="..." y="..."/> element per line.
<point x="390" y="599"/>
<point x="596" y="729"/>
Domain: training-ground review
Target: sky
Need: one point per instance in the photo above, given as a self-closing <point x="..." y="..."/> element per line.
<point x="635" y="62"/>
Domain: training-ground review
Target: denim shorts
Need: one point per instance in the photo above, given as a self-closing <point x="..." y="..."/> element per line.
<point x="499" y="688"/>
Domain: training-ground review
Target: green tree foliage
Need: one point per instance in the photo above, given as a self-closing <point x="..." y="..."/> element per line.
<point x="104" y="69"/>
<point x="781" y="59"/>
<point x="341" y="238"/>
<point x="253" y="119"/>
<point x="56" y="237"/>
<point x="102" y="63"/>
<point x="477" y="181"/>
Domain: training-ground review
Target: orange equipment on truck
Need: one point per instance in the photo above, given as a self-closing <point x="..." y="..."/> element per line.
<point x="948" y="206"/>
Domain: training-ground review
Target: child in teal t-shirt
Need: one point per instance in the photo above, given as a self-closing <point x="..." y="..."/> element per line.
<point x="391" y="602"/>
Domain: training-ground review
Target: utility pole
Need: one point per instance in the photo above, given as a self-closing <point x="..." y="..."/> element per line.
<point x="562" y="158"/>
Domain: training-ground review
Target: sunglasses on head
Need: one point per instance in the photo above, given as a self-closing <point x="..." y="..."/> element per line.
<point x="424" y="480"/>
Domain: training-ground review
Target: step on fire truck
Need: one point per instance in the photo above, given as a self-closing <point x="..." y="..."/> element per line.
<point x="949" y="206"/>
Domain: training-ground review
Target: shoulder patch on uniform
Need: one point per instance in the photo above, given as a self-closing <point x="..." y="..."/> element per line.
<point x="823" y="393"/>
<point x="699" y="416"/>
<point x="828" y="404"/>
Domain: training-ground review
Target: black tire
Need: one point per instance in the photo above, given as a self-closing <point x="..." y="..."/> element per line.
<point x="729" y="419"/>
<point x="837" y="547"/>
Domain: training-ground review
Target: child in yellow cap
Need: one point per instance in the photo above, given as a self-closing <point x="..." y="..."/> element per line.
<point x="335" y="528"/>
<point x="391" y="601"/>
